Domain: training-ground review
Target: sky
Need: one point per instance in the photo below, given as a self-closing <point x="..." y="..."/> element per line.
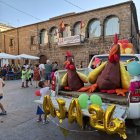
<point x="18" y="13"/>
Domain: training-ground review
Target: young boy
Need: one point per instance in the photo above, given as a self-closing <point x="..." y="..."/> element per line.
<point x="23" y="76"/>
<point x="45" y="90"/>
<point x="1" y="96"/>
<point x="27" y="76"/>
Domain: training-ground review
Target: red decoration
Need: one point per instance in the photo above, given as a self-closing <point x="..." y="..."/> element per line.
<point x="37" y="93"/>
<point x="62" y="26"/>
<point x="68" y="53"/>
<point x="82" y="24"/>
<point x="53" y="83"/>
<point x="71" y="67"/>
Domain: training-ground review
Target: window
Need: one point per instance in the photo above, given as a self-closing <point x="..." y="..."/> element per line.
<point x="43" y="36"/>
<point x="33" y="40"/>
<point x="54" y="35"/>
<point x="112" y="26"/>
<point x="11" y="43"/>
<point x="77" y="28"/>
<point x="94" y="28"/>
<point x="67" y="32"/>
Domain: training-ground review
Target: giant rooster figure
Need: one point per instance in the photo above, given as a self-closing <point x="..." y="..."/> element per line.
<point x="72" y="80"/>
<point x="111" y="76"/>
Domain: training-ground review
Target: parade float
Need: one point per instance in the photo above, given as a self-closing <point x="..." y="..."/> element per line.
<point x="101" y="94"/>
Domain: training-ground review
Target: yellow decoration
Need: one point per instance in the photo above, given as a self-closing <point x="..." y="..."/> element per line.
<point x="125" y="78"/>
<point x="93" y="75"/>
<point x="75" y="113"/>
<point x="96" y="117"/>
<point x="129" y="51"/>
<point x="48" y="106"/>
<point x="113" y="125"/>
<point x="122" y="51"/>
<point x="61" y="113"/>
<point x="99" y="119"/>
<point x="64" y="80"/>
<point x="83" y="77"/>
<point x="104" y="120"/>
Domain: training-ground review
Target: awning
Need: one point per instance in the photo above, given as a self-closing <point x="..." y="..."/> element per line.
<point x="7" y="56"/>
<point x="25" y="56"/>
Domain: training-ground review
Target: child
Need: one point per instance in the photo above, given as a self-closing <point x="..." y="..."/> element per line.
<point x="23" y="74"/>
<point x="97" y="62"/>
<point x="27" y="76"/>
<point x="45" y="90"/>
<point x="31" y="75"/>
<point x="1" y="96"/>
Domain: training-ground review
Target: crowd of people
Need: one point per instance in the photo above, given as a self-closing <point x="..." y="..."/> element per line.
<point x="38" y="72"/>
<point x="35" y="75"/>
<point x="9" y="69"/>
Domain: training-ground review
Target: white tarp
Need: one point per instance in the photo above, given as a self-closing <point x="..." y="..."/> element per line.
<point x="4" y="57"/>
<point x="7" y="56"/>
<point x="25" y="56"/>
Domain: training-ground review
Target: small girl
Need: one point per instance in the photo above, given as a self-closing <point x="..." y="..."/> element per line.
<point x="45" y="90"/>
<point x="27" y="76"/>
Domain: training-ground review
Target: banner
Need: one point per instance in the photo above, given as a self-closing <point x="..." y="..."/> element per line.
<point x="69" y="40"/>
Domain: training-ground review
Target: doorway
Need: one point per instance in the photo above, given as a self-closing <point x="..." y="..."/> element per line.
<point x="43" y="59"/>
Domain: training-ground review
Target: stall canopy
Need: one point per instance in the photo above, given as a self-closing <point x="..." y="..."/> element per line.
<point x="25" y="56"/>
<point x="7" y="56"/>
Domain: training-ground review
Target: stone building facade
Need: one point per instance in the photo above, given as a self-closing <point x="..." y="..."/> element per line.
<point x="84" y="34"/>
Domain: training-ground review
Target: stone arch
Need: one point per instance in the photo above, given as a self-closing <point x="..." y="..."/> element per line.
<point x="43" y="36"/>
<point x="111" y="29"/>
<point x="53" y="34"/>
<point x="93" y="20"/>
<point x="67" y="31"/>
<point x="76" y="28"/>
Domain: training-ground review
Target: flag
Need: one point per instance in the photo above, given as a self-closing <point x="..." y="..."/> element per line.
<point x="62" y="26"/>
<point x="83" y="27"/>
<point x="82" y="24"/>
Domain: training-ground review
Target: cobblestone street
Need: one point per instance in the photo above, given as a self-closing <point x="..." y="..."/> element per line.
<point x="20" y="121"/>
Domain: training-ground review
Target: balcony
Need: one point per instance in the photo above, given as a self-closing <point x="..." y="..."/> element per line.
<point x="71" y="41"/>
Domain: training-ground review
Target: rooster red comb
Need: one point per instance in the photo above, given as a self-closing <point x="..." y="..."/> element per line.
<point x="69" y="54"/>
<point x="116" y="39"/>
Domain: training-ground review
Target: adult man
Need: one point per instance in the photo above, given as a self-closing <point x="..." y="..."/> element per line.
<point x="48" y="71"/>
